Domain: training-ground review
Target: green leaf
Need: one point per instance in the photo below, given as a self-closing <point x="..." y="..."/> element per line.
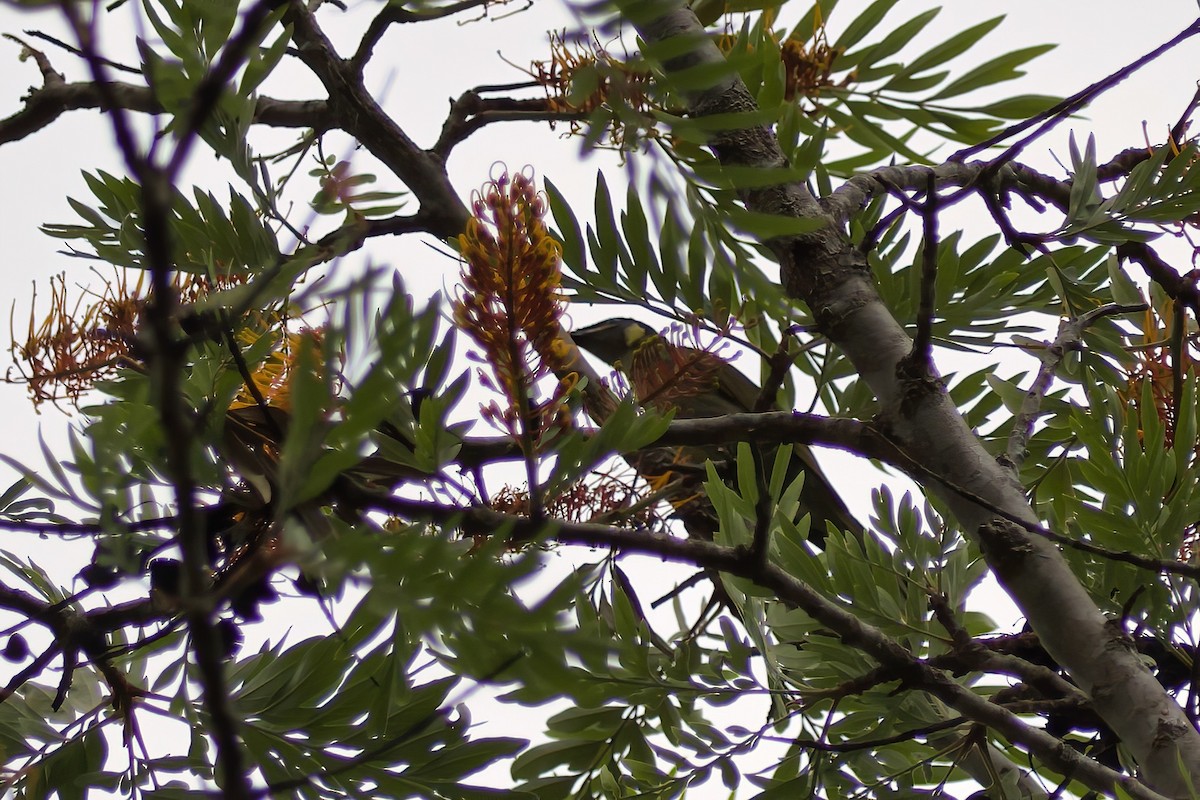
<point x="953" y="47"/>
<point x="768" y="226"/>
<point x="1019" y="107"/>
<point x="747" y="474"/>
<point x="999" y="69"/>
<point x="571" y="237"/>
<point x="572" y="754"/>
<point x="890" y="45"/>
<point x="1012" y="394"/>
<point x="863" y="24"/>
<point x="1124" y="290"/>
<point x="262" y="62"/>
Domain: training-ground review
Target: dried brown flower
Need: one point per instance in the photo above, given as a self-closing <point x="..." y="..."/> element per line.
<point x="588" y="79"/>
<point x="78" y="344"/>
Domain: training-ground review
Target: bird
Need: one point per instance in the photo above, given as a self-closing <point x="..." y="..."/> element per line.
<point x="251" y="444"/>
<point x="698" y="384"/>
<point x="253" y="437"/>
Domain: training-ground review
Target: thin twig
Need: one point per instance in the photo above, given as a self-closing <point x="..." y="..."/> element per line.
<point x="166" y="362"/>
<point x="870" y="744"/>
<point x="394" y="14"/>
<point x="471" y="112"/>
<point x="1052" y="116"/>
<point x="116" y="65"/>
<point x="1180" y="288"/>
<point x="1070" y="334"/>
<point x="923" y="340"/>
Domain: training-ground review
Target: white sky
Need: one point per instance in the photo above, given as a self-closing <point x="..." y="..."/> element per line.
<point x="423" y="66"/>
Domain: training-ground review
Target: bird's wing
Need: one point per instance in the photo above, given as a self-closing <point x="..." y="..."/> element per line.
<point x="823" y="502"/>
<point x="734" y="384"/>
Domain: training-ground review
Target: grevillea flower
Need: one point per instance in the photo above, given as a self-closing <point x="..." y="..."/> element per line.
<point x="1158" y="370"/>
<point x="511" y="300"/>
<point x="808" y="65"/>
<point x="273" y="378"/>
<point x="1154" y="364"/>
<point x="591" y="82"/>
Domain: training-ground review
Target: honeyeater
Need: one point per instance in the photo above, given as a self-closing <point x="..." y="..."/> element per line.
<point x="697" y="384"/>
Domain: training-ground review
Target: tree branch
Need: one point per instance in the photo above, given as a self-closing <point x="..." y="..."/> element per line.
<point x="166" y="360"/>
<point x="846" y="200"/>
<point x="394" y="14"/>
<point x="1180" y="288"/>
<point x="45" y="105"/>
<point x="1070" y="334"/>
<point x="361" y="116"/>
<point x="471" y="112"/>
<point x="923" y="342"/>
<point x="1076" y="102"/>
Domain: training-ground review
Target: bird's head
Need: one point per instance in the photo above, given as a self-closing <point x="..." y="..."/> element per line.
<point x="613" y="340"/>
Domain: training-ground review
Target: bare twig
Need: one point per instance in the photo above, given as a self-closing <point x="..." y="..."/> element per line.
<point x="66" y="528"/>
<point x="1052" y="116"/>
<point x="166" y="354"/>
<point x="394" y="14"/>
<point x="45" y="105"/>
<point x="471" y="112"/>
<point x="868" y="744"/>
<point x="29" y="672"/>
<point x="50" y="76"/>
<point x="115" y="65"/>
<point x="84" y="33"/>
<point x="780" y="363"/>
<point x="1180" y="288"/>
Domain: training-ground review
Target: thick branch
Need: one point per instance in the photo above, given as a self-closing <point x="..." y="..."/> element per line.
<point x="45" y="105"/>
<point x="360" y="115"/>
